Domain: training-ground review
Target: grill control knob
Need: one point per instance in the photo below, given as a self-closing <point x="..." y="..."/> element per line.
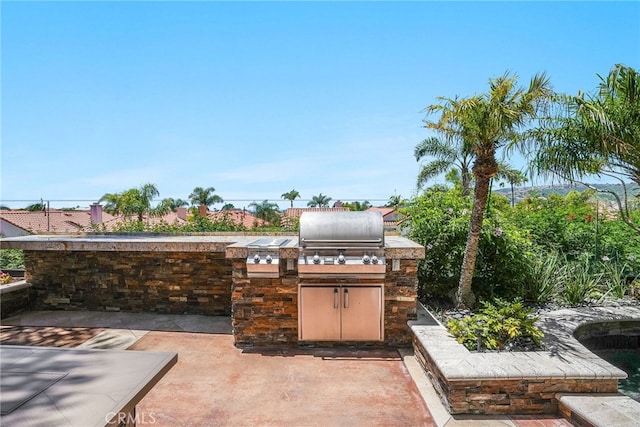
<point x="374" y="259"/>
<point x="316" y="259"/>
<point x="256" y="259"/>
<point x="268" y="259"/>
<point x="341" y="259"/>
<point x="366" y="259"/>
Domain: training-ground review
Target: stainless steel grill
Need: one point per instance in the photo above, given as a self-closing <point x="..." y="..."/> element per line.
<point x="264" y="257"/>
<point x="341" y="244"/>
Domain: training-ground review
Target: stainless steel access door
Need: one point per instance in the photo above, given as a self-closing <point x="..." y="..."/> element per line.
<point x="340" y="313"/>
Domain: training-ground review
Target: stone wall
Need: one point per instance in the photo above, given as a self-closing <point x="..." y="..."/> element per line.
<point x="15" y="300"/>
<point x="507" y="396"/>
<point x="140" y="281"/>
<point x="265" y="311"/>
<point x="400" y="302"/>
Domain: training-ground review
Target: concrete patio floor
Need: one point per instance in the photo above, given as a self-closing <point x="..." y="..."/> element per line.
<point x="215" y="383"/>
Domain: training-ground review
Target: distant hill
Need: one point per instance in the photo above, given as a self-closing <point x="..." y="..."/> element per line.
<point x="545" y="190"/>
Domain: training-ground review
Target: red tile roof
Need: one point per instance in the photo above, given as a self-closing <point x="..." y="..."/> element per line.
<point x="238" y="216"/>
<point x="296" y="212"/>
<point x="52" y="221"/>
<point x="384" y="210"/>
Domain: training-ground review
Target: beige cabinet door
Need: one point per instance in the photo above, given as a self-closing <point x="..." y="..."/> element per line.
<point x="319" y="313"/>
<point x="362" y="313"/>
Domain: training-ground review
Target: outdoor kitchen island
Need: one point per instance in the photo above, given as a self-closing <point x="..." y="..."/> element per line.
<point x="358" y="289"/>
<point x="209" y="274"/>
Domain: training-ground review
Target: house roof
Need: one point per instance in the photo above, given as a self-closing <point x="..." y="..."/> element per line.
<point x="384" y="210"/>
<point x="296" y="212"/>
<point x="76" y="221"/>
<point x="52" y="221"/>
<point x="238" y="216"/>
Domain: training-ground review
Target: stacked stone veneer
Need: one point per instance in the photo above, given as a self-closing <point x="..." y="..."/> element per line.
<point x="14" y="298"/>
<point x="143" y="281"/>
<point x="507" y="382"/>
<point x="265" y="311"/>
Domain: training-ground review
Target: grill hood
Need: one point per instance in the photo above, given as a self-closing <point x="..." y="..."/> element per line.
<point x="341" y="230"/>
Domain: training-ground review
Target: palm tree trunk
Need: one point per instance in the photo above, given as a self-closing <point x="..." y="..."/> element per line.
<point x="513" y="196"/>
<point x="464" y="295"/>
<point x="466" y="182"/>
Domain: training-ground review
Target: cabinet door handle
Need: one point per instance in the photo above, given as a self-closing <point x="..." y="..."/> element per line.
<point x="346" y="298"/>
<point x="336" y="298"/>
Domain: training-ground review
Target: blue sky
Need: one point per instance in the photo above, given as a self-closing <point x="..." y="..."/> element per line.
<point x="258" y="98"/>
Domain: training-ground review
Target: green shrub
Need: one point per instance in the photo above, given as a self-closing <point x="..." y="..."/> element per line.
<point x="614" y="279"/>
<point x="546" y="275"/>
<point x="11" y="259"/>
<point x="500" y="325"/>
<point x="581" y="284"/>
<point x="439" y="220"/>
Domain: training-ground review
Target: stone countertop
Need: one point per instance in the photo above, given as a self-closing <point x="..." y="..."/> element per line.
<point x="127" y="242"/>
<point x="235" y="244"/>
<point x="68" y="386"/>
<point x="395" y="247"/>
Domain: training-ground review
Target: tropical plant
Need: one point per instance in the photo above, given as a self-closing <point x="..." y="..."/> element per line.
<point x="499" y="325"/>
<point x="135" y="201"/>
<point x="357" y="206"/>
<point x="451" y="153"/>
<point x="614" y="277"/>
<point x="174" y="204"/>
<point x="596" y="134"/>
<point x="35" y="207"/>
<point x="513" y="177"/>
<point x="487" y="123"/>
<point x="319" y="201"/>
<point x="266" y="211"/>
<point x="439" y="220"/>
<point x="204" y="197"/>
<point x="291" y="196"/>
<point x="396" y="201"/>
<point x="547" y="273"/>
<point x="11" y="259"/>
<point x="582" y="284"/>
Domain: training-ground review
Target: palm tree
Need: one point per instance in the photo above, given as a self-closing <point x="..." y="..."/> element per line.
<point x="135" y="201"/>
<point x="357" y="206"/>
<point x="513" y="177"/>
<point x="449" y="154"/>
<point x="291" y="196"/>
<point x="596" y="135"/>
<point x="204" y="197"/>
<point x="487" y="123"/>
<point x="396" y="201"/>
<point x="168" y="205"/>
<point x="266" y="211"/>
<point x="35" y="207"/>
<point x="319" y="201"/>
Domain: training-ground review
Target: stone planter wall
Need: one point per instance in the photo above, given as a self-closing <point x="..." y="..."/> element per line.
<point x="164" y="282"/>
<point x="14" y="298"/>
<point x="517" y="382"/>
<point x="505" y="396"/>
